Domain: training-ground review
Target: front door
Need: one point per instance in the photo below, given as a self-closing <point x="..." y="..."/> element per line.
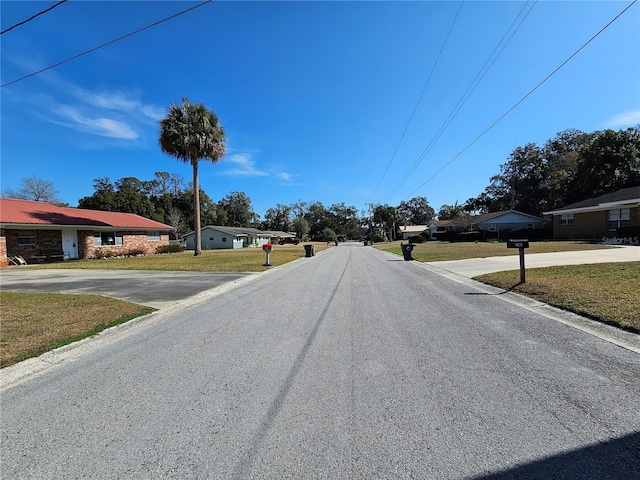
<point x="70" y="243"/>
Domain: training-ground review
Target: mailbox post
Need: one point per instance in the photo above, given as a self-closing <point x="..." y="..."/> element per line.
<point x="520" y="244"/>
<point x="267" y="247"/>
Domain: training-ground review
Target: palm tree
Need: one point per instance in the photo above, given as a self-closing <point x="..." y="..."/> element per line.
<point x="191" y="132"/>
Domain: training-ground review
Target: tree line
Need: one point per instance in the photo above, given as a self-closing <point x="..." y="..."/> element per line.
<point x="568" y="168"/>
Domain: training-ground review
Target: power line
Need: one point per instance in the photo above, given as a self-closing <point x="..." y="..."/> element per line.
<point x="523" y="98"/>
<point x="107" y="44"/>
<point x="420" y="97"/>
<point x="32" y="17"/>
<point x="467" y="94"/>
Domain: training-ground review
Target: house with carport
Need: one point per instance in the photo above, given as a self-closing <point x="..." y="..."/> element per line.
<point x="215" y="237"/>
<point x="40" y="232"/>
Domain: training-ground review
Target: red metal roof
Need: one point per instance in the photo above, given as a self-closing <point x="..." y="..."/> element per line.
<point x="27" y="212"/>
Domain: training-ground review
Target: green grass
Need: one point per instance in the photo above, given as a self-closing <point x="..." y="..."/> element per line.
<point x="607" y="292"/>
<point x="240" y="260"/>
<point x="443" y="251"/>
<point x="34" y="323"/>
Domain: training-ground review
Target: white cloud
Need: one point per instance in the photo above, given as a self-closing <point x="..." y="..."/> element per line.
<point x="105" y="127"/>
<point x="626" y="119"/>
<point x="284" y="176"/>
<point x="243" y="166"/>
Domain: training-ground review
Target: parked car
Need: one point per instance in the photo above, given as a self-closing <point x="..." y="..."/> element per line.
<point x="288" y="240"/>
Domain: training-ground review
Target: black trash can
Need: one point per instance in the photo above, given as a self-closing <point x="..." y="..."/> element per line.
<point x="406" y="251"/>
<point x="309" y="250"/>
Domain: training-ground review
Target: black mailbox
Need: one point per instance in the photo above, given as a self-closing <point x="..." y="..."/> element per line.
<point x="522" y="243"/>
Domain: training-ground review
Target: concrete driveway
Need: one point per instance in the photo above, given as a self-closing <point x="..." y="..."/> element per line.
<point x="152" y="288"/>
<point x="479" y="266"/>
<point x="160" y="289"/>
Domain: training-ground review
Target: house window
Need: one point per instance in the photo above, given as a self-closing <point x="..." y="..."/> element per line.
<point x="26" y="238"/>
<point x="619" y="218"/>
<point x="104" y="239"/>
<point x="224" y="239"/>
<point x="566" y="219"/>
<point x="492" y="227"/>
<point x="153" y="236"/>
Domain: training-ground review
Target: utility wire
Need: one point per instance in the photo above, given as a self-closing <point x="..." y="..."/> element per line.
<point x="106" y="44"/>
<point x="522" y="99"/>
<point x="467" y="94"/>
<point x="420" y="97"/>
<point x="31" y="18"/>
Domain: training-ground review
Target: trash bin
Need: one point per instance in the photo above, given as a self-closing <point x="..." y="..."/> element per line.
<point x="406" y="251"/>
<point x="309" y="250"/>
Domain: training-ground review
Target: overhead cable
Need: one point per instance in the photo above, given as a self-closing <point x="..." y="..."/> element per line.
<point x="467" y="94"/>
<point x="419" y="98"/>
<point x="107" y="44"/>
<point x="522" y="99"/>
<point x="32" y="17"/>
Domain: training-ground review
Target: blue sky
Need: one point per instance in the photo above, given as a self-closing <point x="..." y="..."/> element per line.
<point x="315" y="97"/>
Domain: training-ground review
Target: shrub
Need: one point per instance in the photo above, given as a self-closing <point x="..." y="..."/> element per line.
<point x="416" y="239"/>
<point x="629" y="231"/>
<point x="169" y="248"/>
<point x="100" y="253"/>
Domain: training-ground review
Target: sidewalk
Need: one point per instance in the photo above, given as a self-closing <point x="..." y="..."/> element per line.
<point x="479" y="266"/>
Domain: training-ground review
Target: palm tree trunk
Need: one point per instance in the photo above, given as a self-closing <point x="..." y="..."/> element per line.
<point x="196" y="208"/>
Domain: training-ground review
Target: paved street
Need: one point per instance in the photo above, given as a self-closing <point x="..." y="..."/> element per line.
<point x="351" y="364"/>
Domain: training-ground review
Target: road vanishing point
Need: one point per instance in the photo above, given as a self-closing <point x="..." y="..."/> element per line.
<point x="352" y="364"/>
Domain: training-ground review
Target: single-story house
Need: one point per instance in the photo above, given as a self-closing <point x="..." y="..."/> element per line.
<point x="408" y="231"/>
<point x="277" y="235"/>
<point x="440" y="226"/>
<point x="506" y="221"/>
<point x="40" y="231"/>
<point x="599" y="217"/>
<point x="491" y="225"/>
<point x="215" y="237"/>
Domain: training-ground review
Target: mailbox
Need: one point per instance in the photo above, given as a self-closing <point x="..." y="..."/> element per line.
<point x="522" y="243"/>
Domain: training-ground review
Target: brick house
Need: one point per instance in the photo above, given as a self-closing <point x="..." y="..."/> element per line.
<point x="599" y="217"/>
<point x="39" y="231"/>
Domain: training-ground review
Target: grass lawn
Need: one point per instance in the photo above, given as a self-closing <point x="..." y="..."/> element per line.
<point x="607" y="292"/>
<point x="239" y="260"/>
<point x="34" y="323"/>
<point x="443" y="251"/>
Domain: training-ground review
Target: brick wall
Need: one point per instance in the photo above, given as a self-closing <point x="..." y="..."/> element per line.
<point x="131" y="242"/>
<point x="589" y="225"/>
<point x="52" y="240"/>
<point x="4" y="259"/>
<point x="45" y="240"/>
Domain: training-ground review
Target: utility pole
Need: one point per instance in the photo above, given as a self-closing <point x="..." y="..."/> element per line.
<point x="370" y="222"/>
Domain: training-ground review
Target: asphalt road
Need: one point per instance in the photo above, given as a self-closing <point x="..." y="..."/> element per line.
<point x="351" y="364"/>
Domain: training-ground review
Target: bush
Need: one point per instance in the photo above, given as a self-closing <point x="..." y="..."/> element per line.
<point x="169" y="248"/>
<point x="628" y="231"/>
<point x="416" y="239"/>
